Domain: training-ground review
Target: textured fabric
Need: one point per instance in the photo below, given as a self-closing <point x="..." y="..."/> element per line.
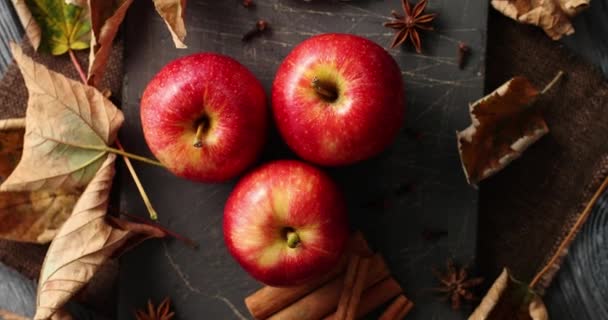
<point x="527" y="209"/>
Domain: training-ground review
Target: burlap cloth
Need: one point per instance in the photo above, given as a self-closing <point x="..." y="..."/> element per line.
<point x="527" y="208"/>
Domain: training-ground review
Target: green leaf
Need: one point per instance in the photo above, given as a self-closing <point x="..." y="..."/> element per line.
<point x="64" y="26"/>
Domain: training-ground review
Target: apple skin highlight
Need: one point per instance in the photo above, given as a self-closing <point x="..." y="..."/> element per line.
<point x="360" y="122"/>
<point x="277" y="198"/>
<point x="216" y="93"/>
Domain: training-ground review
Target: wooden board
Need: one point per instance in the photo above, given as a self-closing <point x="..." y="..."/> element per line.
<point x="417" y="184"/>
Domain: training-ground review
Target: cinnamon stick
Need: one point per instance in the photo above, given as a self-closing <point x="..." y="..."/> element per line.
<point x="374" y="297"/>
<point x="269" y="300"/>
<point x="400" y="307"/>
<point x="353" y="287"/>
<point x="323" y="300"/>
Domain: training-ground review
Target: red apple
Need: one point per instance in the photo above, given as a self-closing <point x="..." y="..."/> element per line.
<point x="286" y="223"/>
<point x="338" y="99"/>
<point x="204" y="117"/>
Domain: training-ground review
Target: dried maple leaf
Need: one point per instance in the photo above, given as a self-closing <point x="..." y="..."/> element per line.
<point x="551" y="15"/>
<point x="28" y="216"/>
<point x="68" y="124"/>
<point x="86" y="240"/>
<point x="63" y="26"/>
<point x="106" y="18"/>
<point x="162" y="312"/>
<point x="510" y="299"/>
<point x="32" y="29"/>
<point x="172" y="11"/>
<point x="504" y="125"/>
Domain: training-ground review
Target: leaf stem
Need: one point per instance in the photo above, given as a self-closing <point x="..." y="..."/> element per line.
<point x="121" y="151"/>
<point x="81" y="73"/>
<point x="177" y="236"/>
<point x="124" y="153"/>
<point x="548" y="87"/>
<point x="573" y="231"/>
<point x="140" y="187"/>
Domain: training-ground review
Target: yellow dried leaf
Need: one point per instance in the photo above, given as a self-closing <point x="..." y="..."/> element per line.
<point x="551" y="15"/>
<point x="504" y="125"/>
<point x="28" y="216"/>
<point x="106" y="18"/>
<point x="509" y="299"/>
<point x="85" y="242"/>
<point x="172" y="11"/>
<point x="68" y="129"/>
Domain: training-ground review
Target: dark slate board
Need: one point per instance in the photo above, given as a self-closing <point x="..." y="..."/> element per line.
<point x="421" y="171"/>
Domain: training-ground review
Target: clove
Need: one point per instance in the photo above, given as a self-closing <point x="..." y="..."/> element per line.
<point x="260" y="26"/>
<point x="463" y="54"/>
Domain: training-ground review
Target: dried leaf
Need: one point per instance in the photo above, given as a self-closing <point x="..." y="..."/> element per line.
<point x="551" y="15"/>
<point x="172" y="11"/>
<point x="68" y="128"/>
<point x="86" y="241"/>
<point x="28" y="216"/>
<point x="64" y="26"/>
<point x="32" y="30"/>
<point x="106" y="17"/>
<point x="510" y="299"/>
<point x="504" y="125"/>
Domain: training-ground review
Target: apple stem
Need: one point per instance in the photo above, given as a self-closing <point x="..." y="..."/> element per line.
<point x="326" y="92"/>
<point x="198" y="138"/>
<point x="292" y="239"/>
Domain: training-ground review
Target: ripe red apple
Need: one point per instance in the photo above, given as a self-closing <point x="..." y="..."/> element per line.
<point x="338" y="99"/>
<point x="286" y="223"/>
<point x="204" y="117"/>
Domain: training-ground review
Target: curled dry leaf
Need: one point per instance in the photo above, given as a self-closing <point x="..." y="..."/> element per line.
<point x="106" y="17"/>
<point x="63" y="26"/>
<point x="510" y="299"/>
<point x="172" y="11"/>
<point x="32" y="29"/>
<point x="504" y="125"/>
<point x="86" y="241"/>
<point x="68" y="128"/>
<point x="28" y="216"/>
<point x="551" y="15"/>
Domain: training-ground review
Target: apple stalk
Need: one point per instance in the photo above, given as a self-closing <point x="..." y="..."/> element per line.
<point x="326" y="91"/>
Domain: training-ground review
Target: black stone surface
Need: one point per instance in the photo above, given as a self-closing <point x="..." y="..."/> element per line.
<point x="417" y="184"/>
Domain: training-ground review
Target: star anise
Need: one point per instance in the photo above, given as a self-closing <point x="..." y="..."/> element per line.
<point x="407" y="26"/>
<point x="456" y="285"/>
<point x="162" y="312"/>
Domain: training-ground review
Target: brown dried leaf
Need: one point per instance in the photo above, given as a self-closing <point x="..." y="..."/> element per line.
<point x="68" y="124"/>
<point x="28" y="216"/>
<point x="32" y="30"/>
<point x="509" y="299"/>
<point x="172" y="11"/>
<point x="551" y="15"/>
<point x="106" y="17"/>
<point x="86" y="241"/>
<point x="504" y="125"/>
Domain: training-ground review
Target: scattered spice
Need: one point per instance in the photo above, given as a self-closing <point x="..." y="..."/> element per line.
<point x="354" y="282"/>
<point x="407" y="25"/>
<point x="260" y="26"/>
<point x="433" y="235"/>
<point x="248" y="3"/>
<point x="463" y="54"/>
<point x="162" y="312"/>
<point x="456" y="284"/>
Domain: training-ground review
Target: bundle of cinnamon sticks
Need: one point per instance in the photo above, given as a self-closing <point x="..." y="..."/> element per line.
<point x="359" y="284"/>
